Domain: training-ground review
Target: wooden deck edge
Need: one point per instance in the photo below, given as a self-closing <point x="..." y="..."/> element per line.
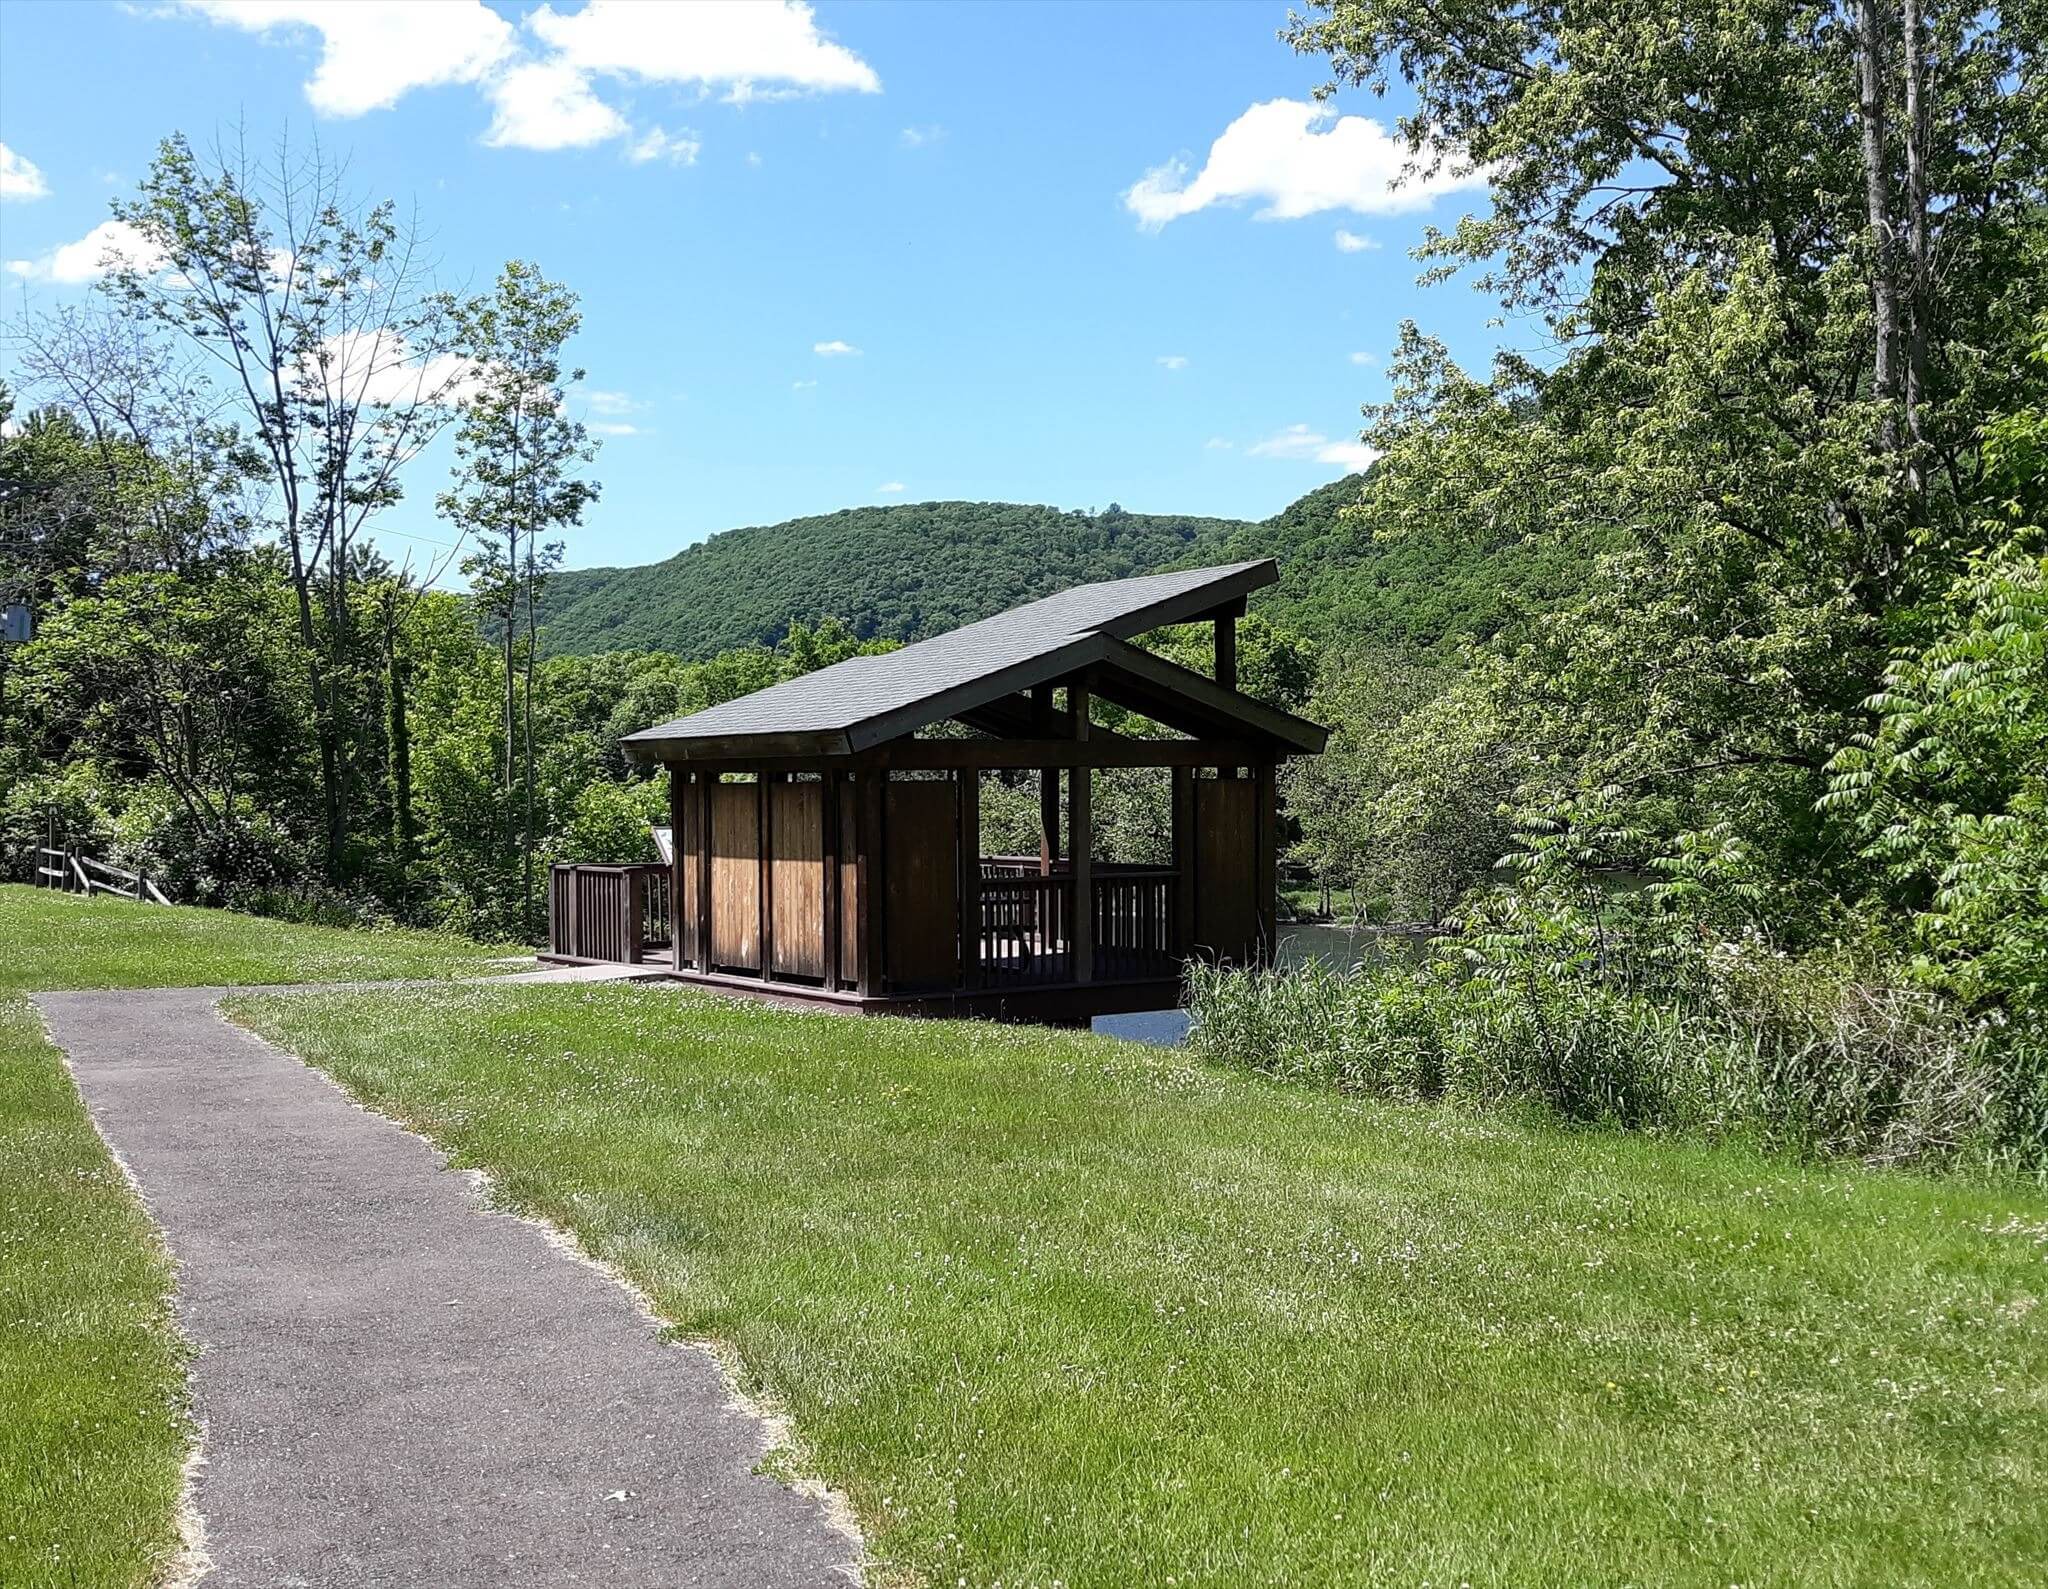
<point x="1067" y="1004"/>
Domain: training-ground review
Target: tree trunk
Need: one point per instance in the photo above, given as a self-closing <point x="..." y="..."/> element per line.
<point x="404" y="829"/>
<point x="526" y="894"/>
<point x="347" y="729"/>
<point x="1917" y="276"/>
<point x="324" y="731"/>
<point x="511" y="661"/>
<point x="1884" y="275"/>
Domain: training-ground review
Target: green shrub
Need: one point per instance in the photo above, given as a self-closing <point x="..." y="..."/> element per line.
<point x="1803" y="1054"/>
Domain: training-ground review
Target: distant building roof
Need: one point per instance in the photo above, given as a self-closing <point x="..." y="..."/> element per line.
<point x="867" y="700"/>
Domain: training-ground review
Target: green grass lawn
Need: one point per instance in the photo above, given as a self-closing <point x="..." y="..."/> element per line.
<point x="62" y="941"/>
<point x="1056" y="1309"/>
<point x="93" y="1428"/>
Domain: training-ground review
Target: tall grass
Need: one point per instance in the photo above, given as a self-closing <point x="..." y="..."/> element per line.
<point x="1805" y="1055"/>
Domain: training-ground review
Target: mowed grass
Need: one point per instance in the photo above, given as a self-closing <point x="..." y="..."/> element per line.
<point x="1054" y="1309"/>
<point x="52" y="940"/>
<point x="92" y="1421"/>
<point x="93" y="1427"/>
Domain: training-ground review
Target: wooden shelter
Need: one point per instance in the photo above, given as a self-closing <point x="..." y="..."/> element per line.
<point x="827" y="830"/>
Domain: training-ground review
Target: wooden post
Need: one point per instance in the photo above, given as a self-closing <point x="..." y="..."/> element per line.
<point x="1266" y="872"/>
<point x="1081" y="844"/>
<point x="635" y="894"/>
<point x="678" y="831"/>
<point x="967" y="783"/>
<point x="706" y="782"/>
<point x="1226" y="650"/>
<point x="1182" y="926"/>
<point x="828" y="849"/>
<point x="873" y="973"/>
<point x="1048" y="785"/>
<point x="764" y="892"/>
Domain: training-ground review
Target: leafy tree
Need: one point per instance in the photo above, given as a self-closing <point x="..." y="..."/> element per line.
<point x="1760" y="423"/>
<point x="1407" y="807"/>
<point x="1949" y="790"/>
<point x="326" y="335"/>
<point x="186" y="682"/>
<point x="517" y="453"/>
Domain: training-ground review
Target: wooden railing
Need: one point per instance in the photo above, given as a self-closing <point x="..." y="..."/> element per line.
<point x="1024" y="928"/>
<point x="1134" y="914"/>
<point x="1025" y="916"/>
<point x="1024" y="931"/>
<point x="72" y="870"/>
<point x="614" y="913"/>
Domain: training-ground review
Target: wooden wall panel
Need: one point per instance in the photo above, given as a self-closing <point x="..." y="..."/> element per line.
<point x="736" y="876"/>
<point x="797" y="889"/>
<point x="1226" y="866"/>
<point x="684" y="807"/>
<point x="918" y="861"/>
<point x="849" y="883"/>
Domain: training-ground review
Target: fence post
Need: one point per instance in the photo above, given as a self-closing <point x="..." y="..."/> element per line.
<point x="636" y="913"/>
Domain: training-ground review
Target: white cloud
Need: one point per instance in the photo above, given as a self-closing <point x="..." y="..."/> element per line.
<point x="1364" y="358"/>
<point x="1299" y="442"/>
<point x="1218" y="444"/>
<point x="604" y="402"/>
<point x="1172" y="361"/>
<point x="1299" y="159"/>
<point x="681" y="149"/>
<point x="541" y="78"/>
<point x="545" y="105"/>
<point x="1349" y="242"/>
<point x="890" y="488"/>
<point x="835" y="349"/>
<point x="19" y="176"/>
<point x="379" y="370"/>
<point x="612" y="427"/>
<point x="754" y="157"/>
<point x="742" y="43"/>
<point x="88" y="259"/>
<point x="374" y="52"/>
<point x="802" y="386"/>
<point x="921" y="137"/>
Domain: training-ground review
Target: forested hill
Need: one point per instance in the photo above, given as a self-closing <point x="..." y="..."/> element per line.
<point x="1340" y="581"/>
<point x="891" y="572"/>
<point x="916" y="569"/>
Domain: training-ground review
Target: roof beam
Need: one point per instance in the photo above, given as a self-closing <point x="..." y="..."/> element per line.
<point x="1014" y="717"/>
<point x="1171" y="680"/>
<point x="695" y="748"/>
<point x="1077" y="653"/>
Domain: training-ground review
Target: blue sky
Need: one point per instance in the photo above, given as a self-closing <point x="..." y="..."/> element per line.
<point x="1079" y="253"/>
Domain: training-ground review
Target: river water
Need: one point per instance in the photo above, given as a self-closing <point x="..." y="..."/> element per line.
<point x="1339" y="948"/>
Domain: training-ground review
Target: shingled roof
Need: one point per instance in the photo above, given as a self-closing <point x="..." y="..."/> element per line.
<point x="865" y="701"/>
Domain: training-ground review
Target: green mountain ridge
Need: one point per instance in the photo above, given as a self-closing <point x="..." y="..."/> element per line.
<point x="912" y="569"/>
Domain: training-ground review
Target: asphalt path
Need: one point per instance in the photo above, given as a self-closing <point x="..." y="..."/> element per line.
<point x="396" y="1385"/>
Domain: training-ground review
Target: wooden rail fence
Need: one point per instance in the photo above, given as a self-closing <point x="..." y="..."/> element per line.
<point x="616" y="913"/>
<point x="69" y="868"/>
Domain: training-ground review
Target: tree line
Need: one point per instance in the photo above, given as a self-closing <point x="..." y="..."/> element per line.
<point x="1778" y="761"/>
<point x="232" y="682"/>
